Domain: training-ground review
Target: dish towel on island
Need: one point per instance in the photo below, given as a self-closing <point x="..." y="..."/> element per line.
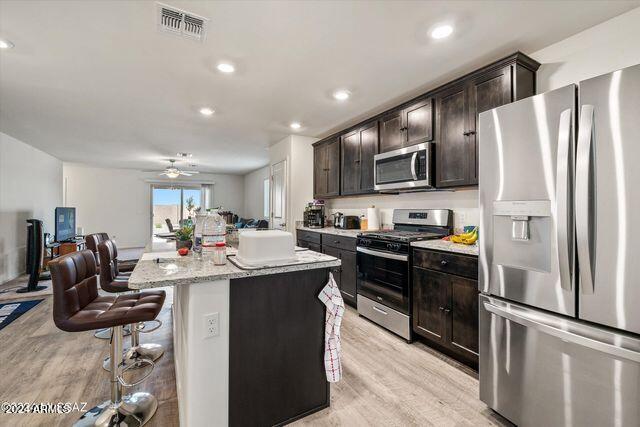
<point x="330" y="296"/>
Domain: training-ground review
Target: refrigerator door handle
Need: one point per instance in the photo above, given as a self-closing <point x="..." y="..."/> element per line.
<point x="563" y="216"/>
<point x="523" y="318"/>
<point x="582" y="202"/>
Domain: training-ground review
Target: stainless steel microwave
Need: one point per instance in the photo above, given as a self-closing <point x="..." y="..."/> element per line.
<point x="403" y="169"/>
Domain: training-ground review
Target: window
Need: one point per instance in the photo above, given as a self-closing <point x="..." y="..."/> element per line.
<point x="266" y="212"/>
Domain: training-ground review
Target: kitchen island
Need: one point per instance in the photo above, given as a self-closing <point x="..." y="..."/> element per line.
<point x="248" y="344"/>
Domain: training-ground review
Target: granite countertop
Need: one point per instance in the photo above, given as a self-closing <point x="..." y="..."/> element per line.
<point x="334" y="231"/>
<point x="175" y="270"/>
<point x="445" y="245"/>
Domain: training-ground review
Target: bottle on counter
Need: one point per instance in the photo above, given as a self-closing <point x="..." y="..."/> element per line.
<point x="197" y="234"/>
<point x="220" y="253"/>
<point x="364" y="223"/>
<point x="213" y="231"/>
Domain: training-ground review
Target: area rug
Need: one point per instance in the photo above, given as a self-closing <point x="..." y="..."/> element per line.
<point x="11" y="311"/>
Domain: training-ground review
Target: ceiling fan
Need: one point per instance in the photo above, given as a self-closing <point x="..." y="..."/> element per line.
<point x="173" y="172"/>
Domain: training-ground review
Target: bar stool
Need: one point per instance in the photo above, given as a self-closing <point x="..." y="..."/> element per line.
<point x="113" y="282"/>
<point x="92" y="241"/>
<point x="78" y="307"/>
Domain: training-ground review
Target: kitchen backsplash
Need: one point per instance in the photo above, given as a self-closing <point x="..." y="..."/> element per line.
<point x="464" y="204"/>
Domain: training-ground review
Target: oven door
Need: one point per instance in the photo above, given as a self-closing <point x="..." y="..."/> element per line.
<point x="384" y="277"/>
<point x="406" y="168"/>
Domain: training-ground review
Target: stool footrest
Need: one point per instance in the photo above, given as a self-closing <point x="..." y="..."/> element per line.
<point x="135" y="366"/>
<point x="143" y="329"/>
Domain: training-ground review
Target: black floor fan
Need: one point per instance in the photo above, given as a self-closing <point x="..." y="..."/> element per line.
<point x="35" y="255"/>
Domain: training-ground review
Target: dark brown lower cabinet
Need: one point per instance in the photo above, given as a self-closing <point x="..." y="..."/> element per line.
<point x="445" y="304"/>
<point x="309" y="245"/>
<point x="345" y="275"/>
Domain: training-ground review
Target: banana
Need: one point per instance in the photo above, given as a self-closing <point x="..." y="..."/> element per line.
<point x="468" y="238"/>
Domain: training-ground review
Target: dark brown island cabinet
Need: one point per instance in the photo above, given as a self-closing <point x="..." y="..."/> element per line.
<point x="341" y="247"/>
<point x="445" y="302"/>
<point x="445" y="116"/>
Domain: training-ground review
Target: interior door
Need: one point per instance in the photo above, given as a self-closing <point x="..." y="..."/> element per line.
<point x="608" y="199"/>
<point x="279" y="195"/>
<point x="526" y="176"/>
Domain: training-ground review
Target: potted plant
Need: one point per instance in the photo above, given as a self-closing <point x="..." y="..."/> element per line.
<point x="183" y="237"/>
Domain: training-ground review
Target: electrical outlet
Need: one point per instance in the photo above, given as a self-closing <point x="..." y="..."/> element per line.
<point x="211" y="325"/>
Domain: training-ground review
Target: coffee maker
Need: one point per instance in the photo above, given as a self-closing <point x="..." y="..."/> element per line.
<point x="314" y="214"/>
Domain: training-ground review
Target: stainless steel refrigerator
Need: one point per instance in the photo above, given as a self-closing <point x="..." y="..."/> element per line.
<point x="560" y="255"/>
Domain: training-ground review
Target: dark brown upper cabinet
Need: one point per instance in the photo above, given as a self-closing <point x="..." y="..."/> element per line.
<point x="407" y="126"/>
<point x="447" y="116"/>
<point x="457" y="109"/>
<point x="358" y="148"/>
<point x="326" y="169"/>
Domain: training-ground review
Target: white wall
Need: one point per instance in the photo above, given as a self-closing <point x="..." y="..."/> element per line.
<point x="254" y="193"/>
<point x="118" y="201"/>
<point x="298" y="151"/>
<point x="464" y="204"/>
<point x="30" y="187"/>
<point x="606" y="47"/>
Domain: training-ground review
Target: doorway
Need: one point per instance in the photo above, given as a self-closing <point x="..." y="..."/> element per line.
<point x="173" y="203"/>
<point x="278" y="217"/>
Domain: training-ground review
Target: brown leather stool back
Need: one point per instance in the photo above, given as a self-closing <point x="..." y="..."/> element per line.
<point x="93" y="240"/>
<point x="109" y="280"/>
<point x="75" y="285"/>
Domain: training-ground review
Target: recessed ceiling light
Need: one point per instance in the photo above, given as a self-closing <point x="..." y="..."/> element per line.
<point x="5" y="44"/>
<point x="226" y="68"/>
<point x="206" y="111"/>
<point x="341" y="95"/>
<point x="441" y="31"/>
<point x="295" y="125"/>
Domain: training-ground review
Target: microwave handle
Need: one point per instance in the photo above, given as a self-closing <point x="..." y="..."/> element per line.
<point x="414" y="158"/>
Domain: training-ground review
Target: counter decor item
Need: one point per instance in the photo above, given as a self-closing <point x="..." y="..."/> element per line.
<point x="468" y="238"/>
<point x="266" y="247"/>
<point x="183" y="237"/>
<point x="373" y="218"/>
<point x="364" y="223"/>
<point x="220" y="254"/>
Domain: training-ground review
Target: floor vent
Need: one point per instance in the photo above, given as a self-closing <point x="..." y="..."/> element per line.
<point x="180" y="22"/>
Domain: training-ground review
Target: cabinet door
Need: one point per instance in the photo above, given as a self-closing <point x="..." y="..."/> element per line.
<point x="348" y="283"/>
<point x="392" y="134"/>
<point x="319" y="171"/>
<point x="453" y="154"/>
<point x="335" y="270"/>
<point x="368" y="149"/>
<point x="464" y="316"/>
<point x="333" y="168"/>
<point x="419" y="122"/>
<point x="350" y="145"/>
<point x="486" y="92"/>
<point x="430" y="302"/>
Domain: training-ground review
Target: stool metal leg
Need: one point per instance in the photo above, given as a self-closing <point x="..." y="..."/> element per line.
<point x="105" y="334"/>
<point x="137" y="351"/>
<point x="132" y="410"/>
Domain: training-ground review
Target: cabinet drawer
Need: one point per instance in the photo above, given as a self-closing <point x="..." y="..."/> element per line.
<point x="461" y="265"/>
<point x="385" y="316"/>
<point x="339" y="242"/>
<point x="309" y="236"/>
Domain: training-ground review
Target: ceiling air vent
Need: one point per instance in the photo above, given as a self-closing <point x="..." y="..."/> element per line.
<point x="180" y="22"/>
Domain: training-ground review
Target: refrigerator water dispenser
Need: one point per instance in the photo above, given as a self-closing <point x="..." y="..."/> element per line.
<point x="522" y="234"/>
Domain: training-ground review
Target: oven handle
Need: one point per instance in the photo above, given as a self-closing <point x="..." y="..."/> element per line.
<point x="383" y="254"/>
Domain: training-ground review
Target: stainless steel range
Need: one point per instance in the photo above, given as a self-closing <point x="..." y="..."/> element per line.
<point x="384" y="282"/>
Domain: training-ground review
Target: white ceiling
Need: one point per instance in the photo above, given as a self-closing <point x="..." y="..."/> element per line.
<point x="95" y="82"/>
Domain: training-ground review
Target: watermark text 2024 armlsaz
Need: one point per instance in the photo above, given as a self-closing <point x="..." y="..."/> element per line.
<point x="42" y="407"/>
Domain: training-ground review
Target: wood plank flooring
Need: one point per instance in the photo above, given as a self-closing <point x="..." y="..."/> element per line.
<point x="386" y="381"/>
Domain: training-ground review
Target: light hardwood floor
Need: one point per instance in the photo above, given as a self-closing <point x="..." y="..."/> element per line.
<point x="386" y="381"/>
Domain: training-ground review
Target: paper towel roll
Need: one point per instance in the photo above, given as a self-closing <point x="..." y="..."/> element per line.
<point x="373" y="218"/>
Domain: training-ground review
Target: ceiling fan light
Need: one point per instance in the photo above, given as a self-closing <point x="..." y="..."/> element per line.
<point x="172" y="174"/>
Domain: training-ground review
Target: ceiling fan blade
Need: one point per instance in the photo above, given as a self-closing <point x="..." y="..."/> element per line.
<point x="185" y="173"/>
<point x="162" y="173"/>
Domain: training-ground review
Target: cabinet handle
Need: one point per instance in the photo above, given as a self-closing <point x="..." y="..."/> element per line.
<point x="441" y="308"/>
<point x="447" y="310"/>
<point x="444" y="262"/>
